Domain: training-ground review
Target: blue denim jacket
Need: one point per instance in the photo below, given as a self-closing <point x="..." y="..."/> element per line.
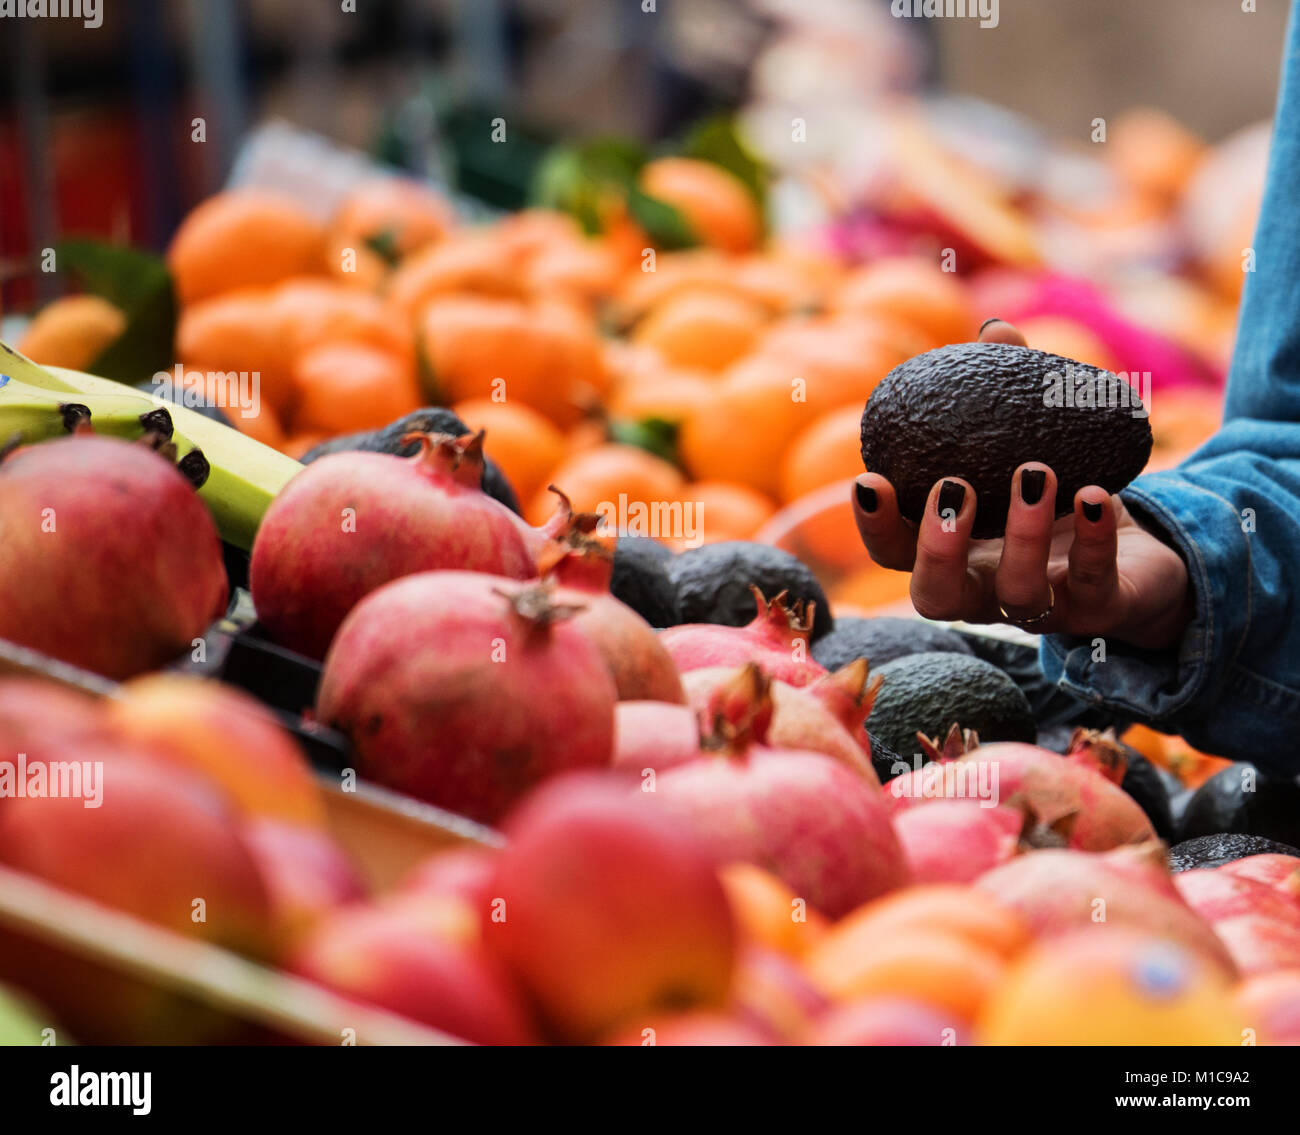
<point x="1232" y="686"/>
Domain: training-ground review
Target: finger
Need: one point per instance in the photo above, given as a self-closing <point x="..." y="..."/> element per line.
<point x="942" y="587"/>
<point x="1021" y="580"/>
<point x="997" y="330"/>
<point x="1093" y="575"/>
<point x="886" y="535"/>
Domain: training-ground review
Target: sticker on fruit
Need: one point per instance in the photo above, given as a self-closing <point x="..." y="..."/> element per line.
<point x="662" y="523"/>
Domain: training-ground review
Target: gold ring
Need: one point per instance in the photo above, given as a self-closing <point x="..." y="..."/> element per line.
<point x="1036" y="620"/>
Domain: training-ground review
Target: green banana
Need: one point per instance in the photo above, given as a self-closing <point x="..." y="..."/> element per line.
<point x="243" y="475"/>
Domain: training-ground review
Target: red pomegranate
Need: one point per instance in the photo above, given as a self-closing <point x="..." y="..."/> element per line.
<point x="466" y="689"/>
<point x="581" y="561"/>
<point x="1282" y="872"/>
<point x="351" y="522"/>
<point x="1216" y="894"/>
<point x="826" y="716"/>
<point x="654" y="735"/>
<point x="777" y="640"/>
<point x="108" y="558"/>
<point x="1259" y="944"/>
<point x="1072" y="800"/>
<point x="803" y="816"/>
<point x="1059" y="890"/>
<point x="956" y="841"/>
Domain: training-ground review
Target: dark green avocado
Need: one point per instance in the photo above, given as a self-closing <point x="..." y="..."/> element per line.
<point x="883" y="638"/>
<point x="432" y="419"/>
<point x="1216" y="850"/>
<point x="979" y="410"/>
<point x="713" y="583"/>
<point x="641" y="580"/>
<point x="1244" y="800"/>
<point x="928" y="693"/>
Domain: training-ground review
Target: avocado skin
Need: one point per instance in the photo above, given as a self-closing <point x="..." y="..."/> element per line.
<point x="976" y="411"/>
<point x="883" y="638"/>
<point x="1216" y="850"/>
<point x="431" y="419"/>
<point x="641" y="580"/>
<point x="928" y="693"/>
<point x="713" y="583"/>
<point x="1221" y="805"/>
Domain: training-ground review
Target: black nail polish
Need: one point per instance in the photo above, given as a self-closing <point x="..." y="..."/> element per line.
<point x="1092" y="510"/>
<point x="867" y="498"/>
<point x="951" y="495"/>
<point x="1032" y="483"/>
<point x="991" y="319"/>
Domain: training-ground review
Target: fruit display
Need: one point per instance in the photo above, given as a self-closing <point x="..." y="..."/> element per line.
<point x="470" y="641"/>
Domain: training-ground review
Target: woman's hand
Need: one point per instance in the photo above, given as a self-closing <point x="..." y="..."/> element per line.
<point x="1096" y="572"/>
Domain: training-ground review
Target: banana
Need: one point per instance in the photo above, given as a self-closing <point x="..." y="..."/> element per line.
<point x="243" y="475"/>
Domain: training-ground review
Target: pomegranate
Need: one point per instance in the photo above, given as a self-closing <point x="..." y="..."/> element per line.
<point x="466" y="689"/>
<point x="581" y="561"/>
<point x="1215" y="895"/>
<point x="654" y="735"/>
<point x="824" y="717"/>
<point x="459" y="872"/>
<point x="1282" y="872"/>
<point x="1059" y="890"/>
<point x="803" y="816"/>
<point x="353" y="521"/>
<point x="1259" y="944"/>
<point x="777" y="640"/>
<point x="956" y="841"/>
<point x="879" y="1021"/>
<point x="1073" y="800"/>
<point x="108" y="558"/>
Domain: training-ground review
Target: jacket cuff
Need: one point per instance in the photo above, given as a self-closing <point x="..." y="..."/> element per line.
<point x="1161" y="686"/>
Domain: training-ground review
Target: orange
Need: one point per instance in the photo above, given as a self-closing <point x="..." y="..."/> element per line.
<point x="1068" y="338"/>
<point x="398" y="213"/>
<point x="542" y="355"/>
<point x="675" y="273"/>
<point x="671" y="394"/>
<point x="945" y="907"/>
<point x="1181" y="421"/>
<point x="768" y="912"/>
<point x="727" y="512"/>
<point x="312" y="311"/>
<point x="716" y="205"/>
<point x="532" y="231"/>
<point x="1154" y="151"/>
<point x="871" y="587"/>
<point x="704" y="329"/>
<point x="237" y="331"/>
<point x="596" y="478"/>
<point x="243" y="238"/>
<point x="842" y="359"/>
<point x="342" y="387"/>
<point x="520" y="440"/>
<point x="258" y="418"/>
<point x="72" y="332"/>
<point x="937" y="967"/>
<point x="1120" y="987"/>
<point x="470" y="262"/>
<point x="828" y="451"/>
<point x="298" y="444"/>
<point x="915" y="292"/>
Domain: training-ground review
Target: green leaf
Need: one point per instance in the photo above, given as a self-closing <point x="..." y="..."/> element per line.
<point x="717" y="140"/>
<point x="664" y="223"/>
<point x="654" y="435"/>
<point x="138" y="283"/>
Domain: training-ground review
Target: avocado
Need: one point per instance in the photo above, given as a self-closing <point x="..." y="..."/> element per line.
<point x="1242" y="800"/>
<point x="887" y="763"/>
<point x="979" y="410"/>
<point x="928" y="693"/>
<point x="882" y="639"/>
<point x="431" y="419"/>
<point x="713" y="583"/>
<point x="1216" y="850"/>
<point x="641" y="580"/>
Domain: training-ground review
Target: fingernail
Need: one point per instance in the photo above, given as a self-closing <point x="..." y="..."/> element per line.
<point x="951" y="495"/>
<point x="991" y="319"/>
<point x="867" y="498"/>
<point x="1032" y="482"/>
<point x="1092" y="510"/>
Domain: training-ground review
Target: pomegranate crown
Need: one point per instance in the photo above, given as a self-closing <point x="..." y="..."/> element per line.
<point x="1100" y="751"/>
<point x="957" y="743"/>
<point x="795" y="616"/>
<point x="849" y="692"/>
<point x="535" y="604"/>
<point x="460" y="458"/>
<point x="738" y="711"/>
<point x="578" y="553"/>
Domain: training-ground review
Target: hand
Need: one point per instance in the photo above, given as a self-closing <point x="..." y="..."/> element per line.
<point x="1096" y="572"/>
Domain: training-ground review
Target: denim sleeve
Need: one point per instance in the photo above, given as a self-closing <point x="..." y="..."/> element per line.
<point x="1232" y="685"/>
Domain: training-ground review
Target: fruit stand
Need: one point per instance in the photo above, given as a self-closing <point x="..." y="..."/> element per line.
<point x="433" y="619"/>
